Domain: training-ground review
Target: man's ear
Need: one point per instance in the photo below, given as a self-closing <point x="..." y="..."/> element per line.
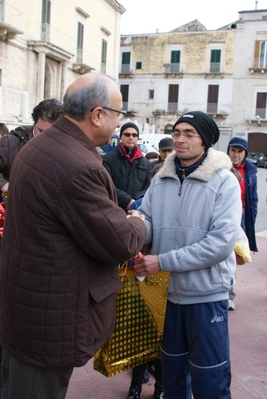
<point x="96" y="116"/>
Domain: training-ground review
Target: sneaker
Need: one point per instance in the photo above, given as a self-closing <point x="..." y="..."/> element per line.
<point x="231" y="305"/>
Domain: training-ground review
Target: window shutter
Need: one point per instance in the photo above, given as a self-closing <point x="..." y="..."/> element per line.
<point x="80" y="36"/>
<point x="256" y="53"/>
<point x="175" y="57"/>
<point x="125" y="93"/>
<point x="215" y="56"/>
<point x="104" y="51"/>
<point x="173" y="93"/>
<point x="126" y="58"/>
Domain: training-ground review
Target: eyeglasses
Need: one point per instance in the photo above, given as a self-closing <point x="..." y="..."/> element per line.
<point x="120" y="114"/>
<point x="188" y="136"/>
<point x="130" y="134"/>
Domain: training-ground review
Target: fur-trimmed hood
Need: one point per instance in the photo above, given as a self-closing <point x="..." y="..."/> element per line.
<point x="214" y="161"/>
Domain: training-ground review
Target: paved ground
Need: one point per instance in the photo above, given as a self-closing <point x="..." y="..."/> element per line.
<point x="248" y="335"/>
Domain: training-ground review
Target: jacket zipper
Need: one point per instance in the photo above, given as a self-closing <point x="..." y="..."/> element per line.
<point x="183" y="177"/>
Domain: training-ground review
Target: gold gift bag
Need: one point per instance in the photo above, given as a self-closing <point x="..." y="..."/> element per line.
<point x="140" y="314"/>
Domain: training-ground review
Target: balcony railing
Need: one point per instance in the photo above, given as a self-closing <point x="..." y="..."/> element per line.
<point x="212" y="108"/>
<point x="45" y="32"/>
<point x="79" y="55"/>
<point x="215" y="67"/>
<point x="11" y="17"/>
<point x="51" y="35"/>
<point x="172" y="107"/>
<point x="175" y="68"/>
<point x="103" y="67"/>
<point x="261" y="113"/>
<point x="125" y="68"/>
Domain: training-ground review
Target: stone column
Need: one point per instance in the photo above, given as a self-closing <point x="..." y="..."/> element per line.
<point x="40" y="77"/>
<point x="64" y="82"/>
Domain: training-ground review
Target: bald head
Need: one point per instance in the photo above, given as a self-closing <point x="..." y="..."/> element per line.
<point x="91" y="102"/>
<point x="87" y="92"/>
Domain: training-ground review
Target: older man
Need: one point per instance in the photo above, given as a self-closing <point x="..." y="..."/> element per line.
<point x="193" y="213"/>
<point x="64" y="238"/>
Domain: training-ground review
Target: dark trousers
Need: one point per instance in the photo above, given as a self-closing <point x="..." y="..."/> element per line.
<point x="196" y="338"/>
<point x="23" y="381"/>
<point x="138" y="373"/>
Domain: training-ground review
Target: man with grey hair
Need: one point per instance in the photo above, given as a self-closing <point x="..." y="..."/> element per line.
<point x="64" y="239"/>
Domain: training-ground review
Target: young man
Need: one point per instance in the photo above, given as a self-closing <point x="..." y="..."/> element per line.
<point x="44" y="114"/>
<point x="238" y="151"/>
<point x="63" y="241"/>
<point x="193" y="213"/>
<point x="128" y="168"/>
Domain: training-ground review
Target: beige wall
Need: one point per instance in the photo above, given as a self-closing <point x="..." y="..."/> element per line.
<point x="35" y="69"/>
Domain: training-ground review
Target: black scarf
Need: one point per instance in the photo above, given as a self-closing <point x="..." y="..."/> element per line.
<point x="183" y="172"/>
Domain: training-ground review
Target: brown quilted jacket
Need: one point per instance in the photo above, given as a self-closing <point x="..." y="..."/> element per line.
<point x="64" y="237"/>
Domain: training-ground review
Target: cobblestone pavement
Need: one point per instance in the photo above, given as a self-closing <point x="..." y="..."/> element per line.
<point x="248" y="340"/>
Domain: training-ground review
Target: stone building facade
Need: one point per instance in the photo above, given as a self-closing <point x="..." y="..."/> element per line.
<point x="221" y="72"/>
<point x="46" y="44"/>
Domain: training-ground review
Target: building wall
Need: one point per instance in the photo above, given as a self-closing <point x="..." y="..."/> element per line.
<point x="238" y="84"/>
<point x="39" y="61"/>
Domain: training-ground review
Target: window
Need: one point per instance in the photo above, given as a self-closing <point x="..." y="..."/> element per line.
<point x="125" y="62"/>
<point x="151" y="94"/>
<point x="215" y="60"/>
<point x="260" y="54"/>
<point x="263" y="54"/>
<point x="2" y="10"/>
<point x="175" y="61"/>
<point x="173" y="98"/>
<point x="80" y="33"/>
<point x="213" y="95"/>
<point x="261" y="105"/>
<point x="46" y="16"/>
<point x="104" y="56"/>
<point x="125" y="96"/>
<point x="138" y="65"/>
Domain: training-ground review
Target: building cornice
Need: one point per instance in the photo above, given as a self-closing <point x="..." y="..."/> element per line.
<point x="116" y="6"/>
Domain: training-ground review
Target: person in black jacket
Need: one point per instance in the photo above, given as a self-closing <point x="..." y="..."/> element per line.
<point x="44" y="114"/>
<point x="128" y="168"/>
<point x="165" y="148"/>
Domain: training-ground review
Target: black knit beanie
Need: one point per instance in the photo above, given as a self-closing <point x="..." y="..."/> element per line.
<point x="204" y="124"/>
<point x="129" y="124"/>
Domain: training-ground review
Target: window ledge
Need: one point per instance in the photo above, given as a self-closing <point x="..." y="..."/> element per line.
<point x="257" y="70"/>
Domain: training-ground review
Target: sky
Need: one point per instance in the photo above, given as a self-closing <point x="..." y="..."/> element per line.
<point x="148" y="16"/>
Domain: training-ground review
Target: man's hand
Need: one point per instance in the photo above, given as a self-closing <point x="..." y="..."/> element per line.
<point x="144" y="265"/>
<point x="136" y="214"/>
<point x="4" y="188"/>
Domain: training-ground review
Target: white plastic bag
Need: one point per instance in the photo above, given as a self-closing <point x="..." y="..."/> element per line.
<point x="242" y="246"/>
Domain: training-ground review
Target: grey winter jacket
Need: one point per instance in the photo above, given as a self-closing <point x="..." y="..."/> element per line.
<point x="194" y="229"/>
